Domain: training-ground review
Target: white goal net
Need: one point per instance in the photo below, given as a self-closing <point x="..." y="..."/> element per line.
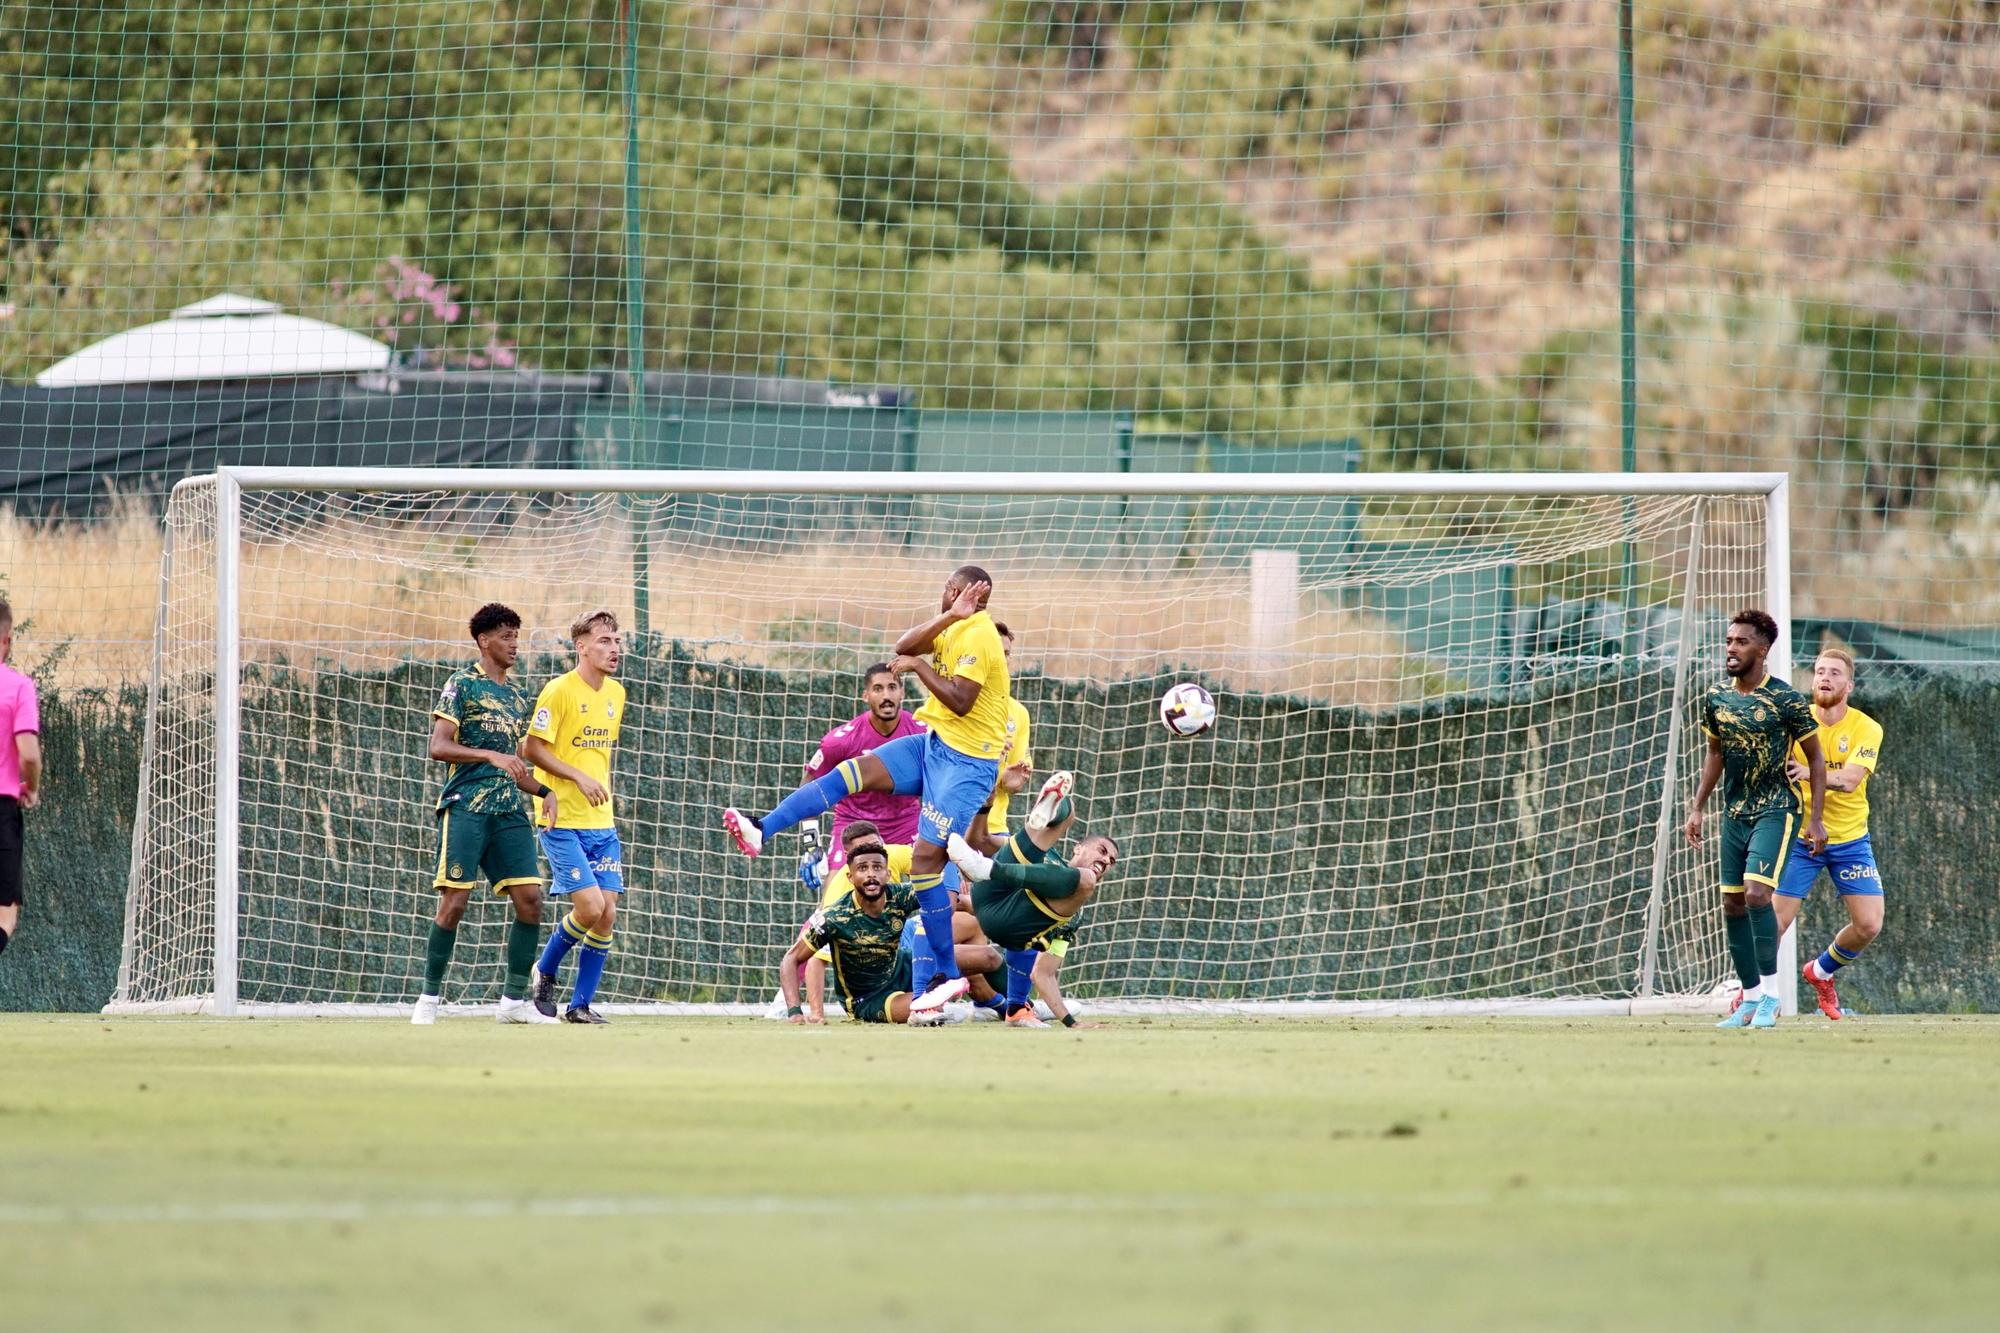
<point x="1451" y="711"/>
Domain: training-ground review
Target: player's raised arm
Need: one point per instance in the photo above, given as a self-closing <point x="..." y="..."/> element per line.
<point x="958" y="693"/>
<point x="964" y="595"/>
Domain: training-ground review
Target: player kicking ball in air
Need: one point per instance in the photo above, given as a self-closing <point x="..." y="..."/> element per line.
<point x="1751" y="721"/>
<point x="1851" y="743"/>
<point x="570" y="742"/>
<point x="1023" y="903"/>
<point x="482" y="813"/>
<point x="954" y="765"/>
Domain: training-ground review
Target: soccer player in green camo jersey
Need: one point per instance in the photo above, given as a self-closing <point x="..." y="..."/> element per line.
<point x="1751" y="721"/>
<point x="1021" y="901"/>
<point x="1053" y="816"/>
<point x="863" y="933"/>
<point x="477" y="728"/>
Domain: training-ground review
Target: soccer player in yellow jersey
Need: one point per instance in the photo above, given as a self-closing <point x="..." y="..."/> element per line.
<point x="575" y="728"/>
<point x="1852" y="743"/>
<point x="1018" y="766"/>
<point x="954" y="765"/>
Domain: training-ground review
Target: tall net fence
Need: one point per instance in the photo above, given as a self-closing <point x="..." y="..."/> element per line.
<point x="1411" y="797"/>
<point x="1017" y="235"/>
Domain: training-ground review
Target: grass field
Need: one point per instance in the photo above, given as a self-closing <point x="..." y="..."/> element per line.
<point x="1619" y="1173"/>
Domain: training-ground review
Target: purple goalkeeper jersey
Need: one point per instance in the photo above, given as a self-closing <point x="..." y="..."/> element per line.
<point x="896" y="816"/>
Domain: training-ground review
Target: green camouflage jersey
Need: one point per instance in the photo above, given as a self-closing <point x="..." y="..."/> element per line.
<point x="1757" y="730"/>
<point x="489" y="716"/>
<point x="863" y="946"/>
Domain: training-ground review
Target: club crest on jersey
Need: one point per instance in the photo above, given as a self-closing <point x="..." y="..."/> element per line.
<point x="1843" y="745"/>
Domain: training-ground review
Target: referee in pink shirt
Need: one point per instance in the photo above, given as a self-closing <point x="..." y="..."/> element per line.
<point x="20" y="772"/>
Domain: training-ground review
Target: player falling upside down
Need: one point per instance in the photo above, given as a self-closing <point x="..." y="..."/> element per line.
<point x="1851" y="743"/>
<point x="953" y="766"/>
<point x="482" y="813"/>
<point x="577" y="719"/>
<point x="1021" y="901"/>
<point x="863" y="936"/>
<point x="1752" y="720"/>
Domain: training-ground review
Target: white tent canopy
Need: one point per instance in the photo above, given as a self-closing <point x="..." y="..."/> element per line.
<point x="226" y="337"/>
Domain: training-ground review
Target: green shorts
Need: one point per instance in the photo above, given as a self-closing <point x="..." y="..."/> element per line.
<point x="1014" y="918"/>
<point x="874" y="1006"/>
<point x="501" y="845"/>
<point x="1754" y="849"/>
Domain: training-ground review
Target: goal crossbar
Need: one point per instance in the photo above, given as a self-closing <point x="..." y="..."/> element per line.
<point x="520" y="481"/>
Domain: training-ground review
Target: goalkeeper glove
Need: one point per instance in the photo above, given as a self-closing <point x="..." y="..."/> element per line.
<point x="812" y="865"/>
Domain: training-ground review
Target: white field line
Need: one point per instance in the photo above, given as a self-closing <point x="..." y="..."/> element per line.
<point x="772" y="1205"/>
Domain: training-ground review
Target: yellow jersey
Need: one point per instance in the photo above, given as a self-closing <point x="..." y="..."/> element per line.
<point x="1853" y="742"/>
<point x="1017" y="753"/>
<point x="581" y="725"/>
<point x="971" y="650"/>
<point x="838" y="885"/>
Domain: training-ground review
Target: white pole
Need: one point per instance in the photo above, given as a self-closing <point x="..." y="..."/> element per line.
<point x="1778" y="587"/>
<point x="228" y="721"/>
<point x="1670" y="785"/>
<point x="593" y="482"/>
<point x="1274" y="609"/>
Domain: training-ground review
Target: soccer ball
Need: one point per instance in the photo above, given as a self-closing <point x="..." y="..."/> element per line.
<point x="1187" y="709"/>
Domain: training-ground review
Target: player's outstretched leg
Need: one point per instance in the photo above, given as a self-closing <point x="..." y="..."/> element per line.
<point x="896" y="767"/>
<point x="975" y="866"/>
<point x="1052" y="802"/>
<point x="808" y="802"/>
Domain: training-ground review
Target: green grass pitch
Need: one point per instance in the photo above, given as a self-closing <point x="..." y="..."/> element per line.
<point x="718" y="1174"/>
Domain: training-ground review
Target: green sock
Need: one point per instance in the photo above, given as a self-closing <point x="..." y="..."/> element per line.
<point x="437" y="957"/>
<point x="1743" y="950"/>
<point x="522" y="940"/>
<point x="1764" y="923"/>
<point x="1046" y="881"/>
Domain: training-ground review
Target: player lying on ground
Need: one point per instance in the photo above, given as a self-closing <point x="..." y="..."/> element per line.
<point x="577" y="719"/>
<point x="989" y="990"/>
<point x="863" y="934"/>
<point x="836" y="886"/>
<point x="974" y="958"/>
<point x="1021" y="900"/>
<point x="953" y="766"/>
<point x="1752" y="720"/>
<point x="482" y="812"/>
<point x="1851" y="743"/>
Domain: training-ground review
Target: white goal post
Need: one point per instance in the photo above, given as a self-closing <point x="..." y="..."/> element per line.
<point x="1457" y="720"/>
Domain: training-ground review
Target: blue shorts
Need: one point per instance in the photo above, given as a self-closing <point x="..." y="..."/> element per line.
<point x="1851" y="863"/>
<point x="583" y="858"/>
<point x="953" y="785"/>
